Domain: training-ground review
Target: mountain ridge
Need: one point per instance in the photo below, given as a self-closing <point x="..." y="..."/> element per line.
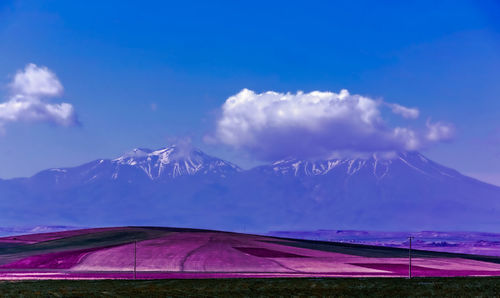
<point x="155" y="164"/>
<point x="161" y="157"/>
<point x="182" y="186"/>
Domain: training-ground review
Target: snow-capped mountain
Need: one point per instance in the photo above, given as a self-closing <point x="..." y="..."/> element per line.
<point x="379" y="166"/>
<point x="172" y="162"/>
<point x="178" y="186"/>
<point x="138" y="165"/>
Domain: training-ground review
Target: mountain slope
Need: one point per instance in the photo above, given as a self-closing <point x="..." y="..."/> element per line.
<point x="178" y="187"/>
<point x="407" y="192"/>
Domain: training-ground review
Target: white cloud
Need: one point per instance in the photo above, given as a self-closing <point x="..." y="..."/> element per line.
<point x="410" y="113"/>
<point x="273" y="125"/>
<point x="36" y="81"/>
<point x="439" y="131"/>
<point x="30" y="89"/>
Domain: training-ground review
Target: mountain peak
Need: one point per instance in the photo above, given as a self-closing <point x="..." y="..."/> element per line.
<point x="136" y="152"/>
<point x="173" y="161"/>
<point x="379" y="165"/>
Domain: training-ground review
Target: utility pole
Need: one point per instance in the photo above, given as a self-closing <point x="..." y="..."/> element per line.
<point x="135" y="259"/>
<point x="409" y="258"/>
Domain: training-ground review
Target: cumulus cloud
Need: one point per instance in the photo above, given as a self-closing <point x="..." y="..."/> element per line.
<point x="274" y="125"/>
<point x="30" y="90"/>
<point x="36" y="81"/>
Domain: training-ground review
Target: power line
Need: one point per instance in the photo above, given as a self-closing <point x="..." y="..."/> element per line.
<point x="135" y="259"/>
<point x="409" y="258"/>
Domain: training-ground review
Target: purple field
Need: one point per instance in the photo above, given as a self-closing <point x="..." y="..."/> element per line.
<point x="185" y="253"/>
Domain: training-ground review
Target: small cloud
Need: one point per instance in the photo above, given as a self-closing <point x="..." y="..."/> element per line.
<point x="27" y="102"/>
<point x="184" y="146"/>
<point x="409" y="113"/>
<point x="36" y="81"/>
<point x="153" y="107"/>
<point x="439" y="131"/>
<point x="272" y="125"/>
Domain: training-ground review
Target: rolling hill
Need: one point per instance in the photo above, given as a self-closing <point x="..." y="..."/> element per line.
<point x="155" y="252"/>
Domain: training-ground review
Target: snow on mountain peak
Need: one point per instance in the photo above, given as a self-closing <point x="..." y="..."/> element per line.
<point x="135" y="153"/>
<point x="173" y="161"/>
<point x="378" y="165"/>
<point x="176" y="161"/>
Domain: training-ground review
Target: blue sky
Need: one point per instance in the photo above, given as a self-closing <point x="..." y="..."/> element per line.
<point x="142" y="75"/>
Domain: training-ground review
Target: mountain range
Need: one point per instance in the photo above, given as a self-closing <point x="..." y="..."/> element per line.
<point x="184" y="187"/>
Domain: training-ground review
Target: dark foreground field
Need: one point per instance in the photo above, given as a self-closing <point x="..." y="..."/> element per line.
<point x="382" y="287"/>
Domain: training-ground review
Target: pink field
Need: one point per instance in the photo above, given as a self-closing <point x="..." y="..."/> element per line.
<point x="194" y="254"/>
